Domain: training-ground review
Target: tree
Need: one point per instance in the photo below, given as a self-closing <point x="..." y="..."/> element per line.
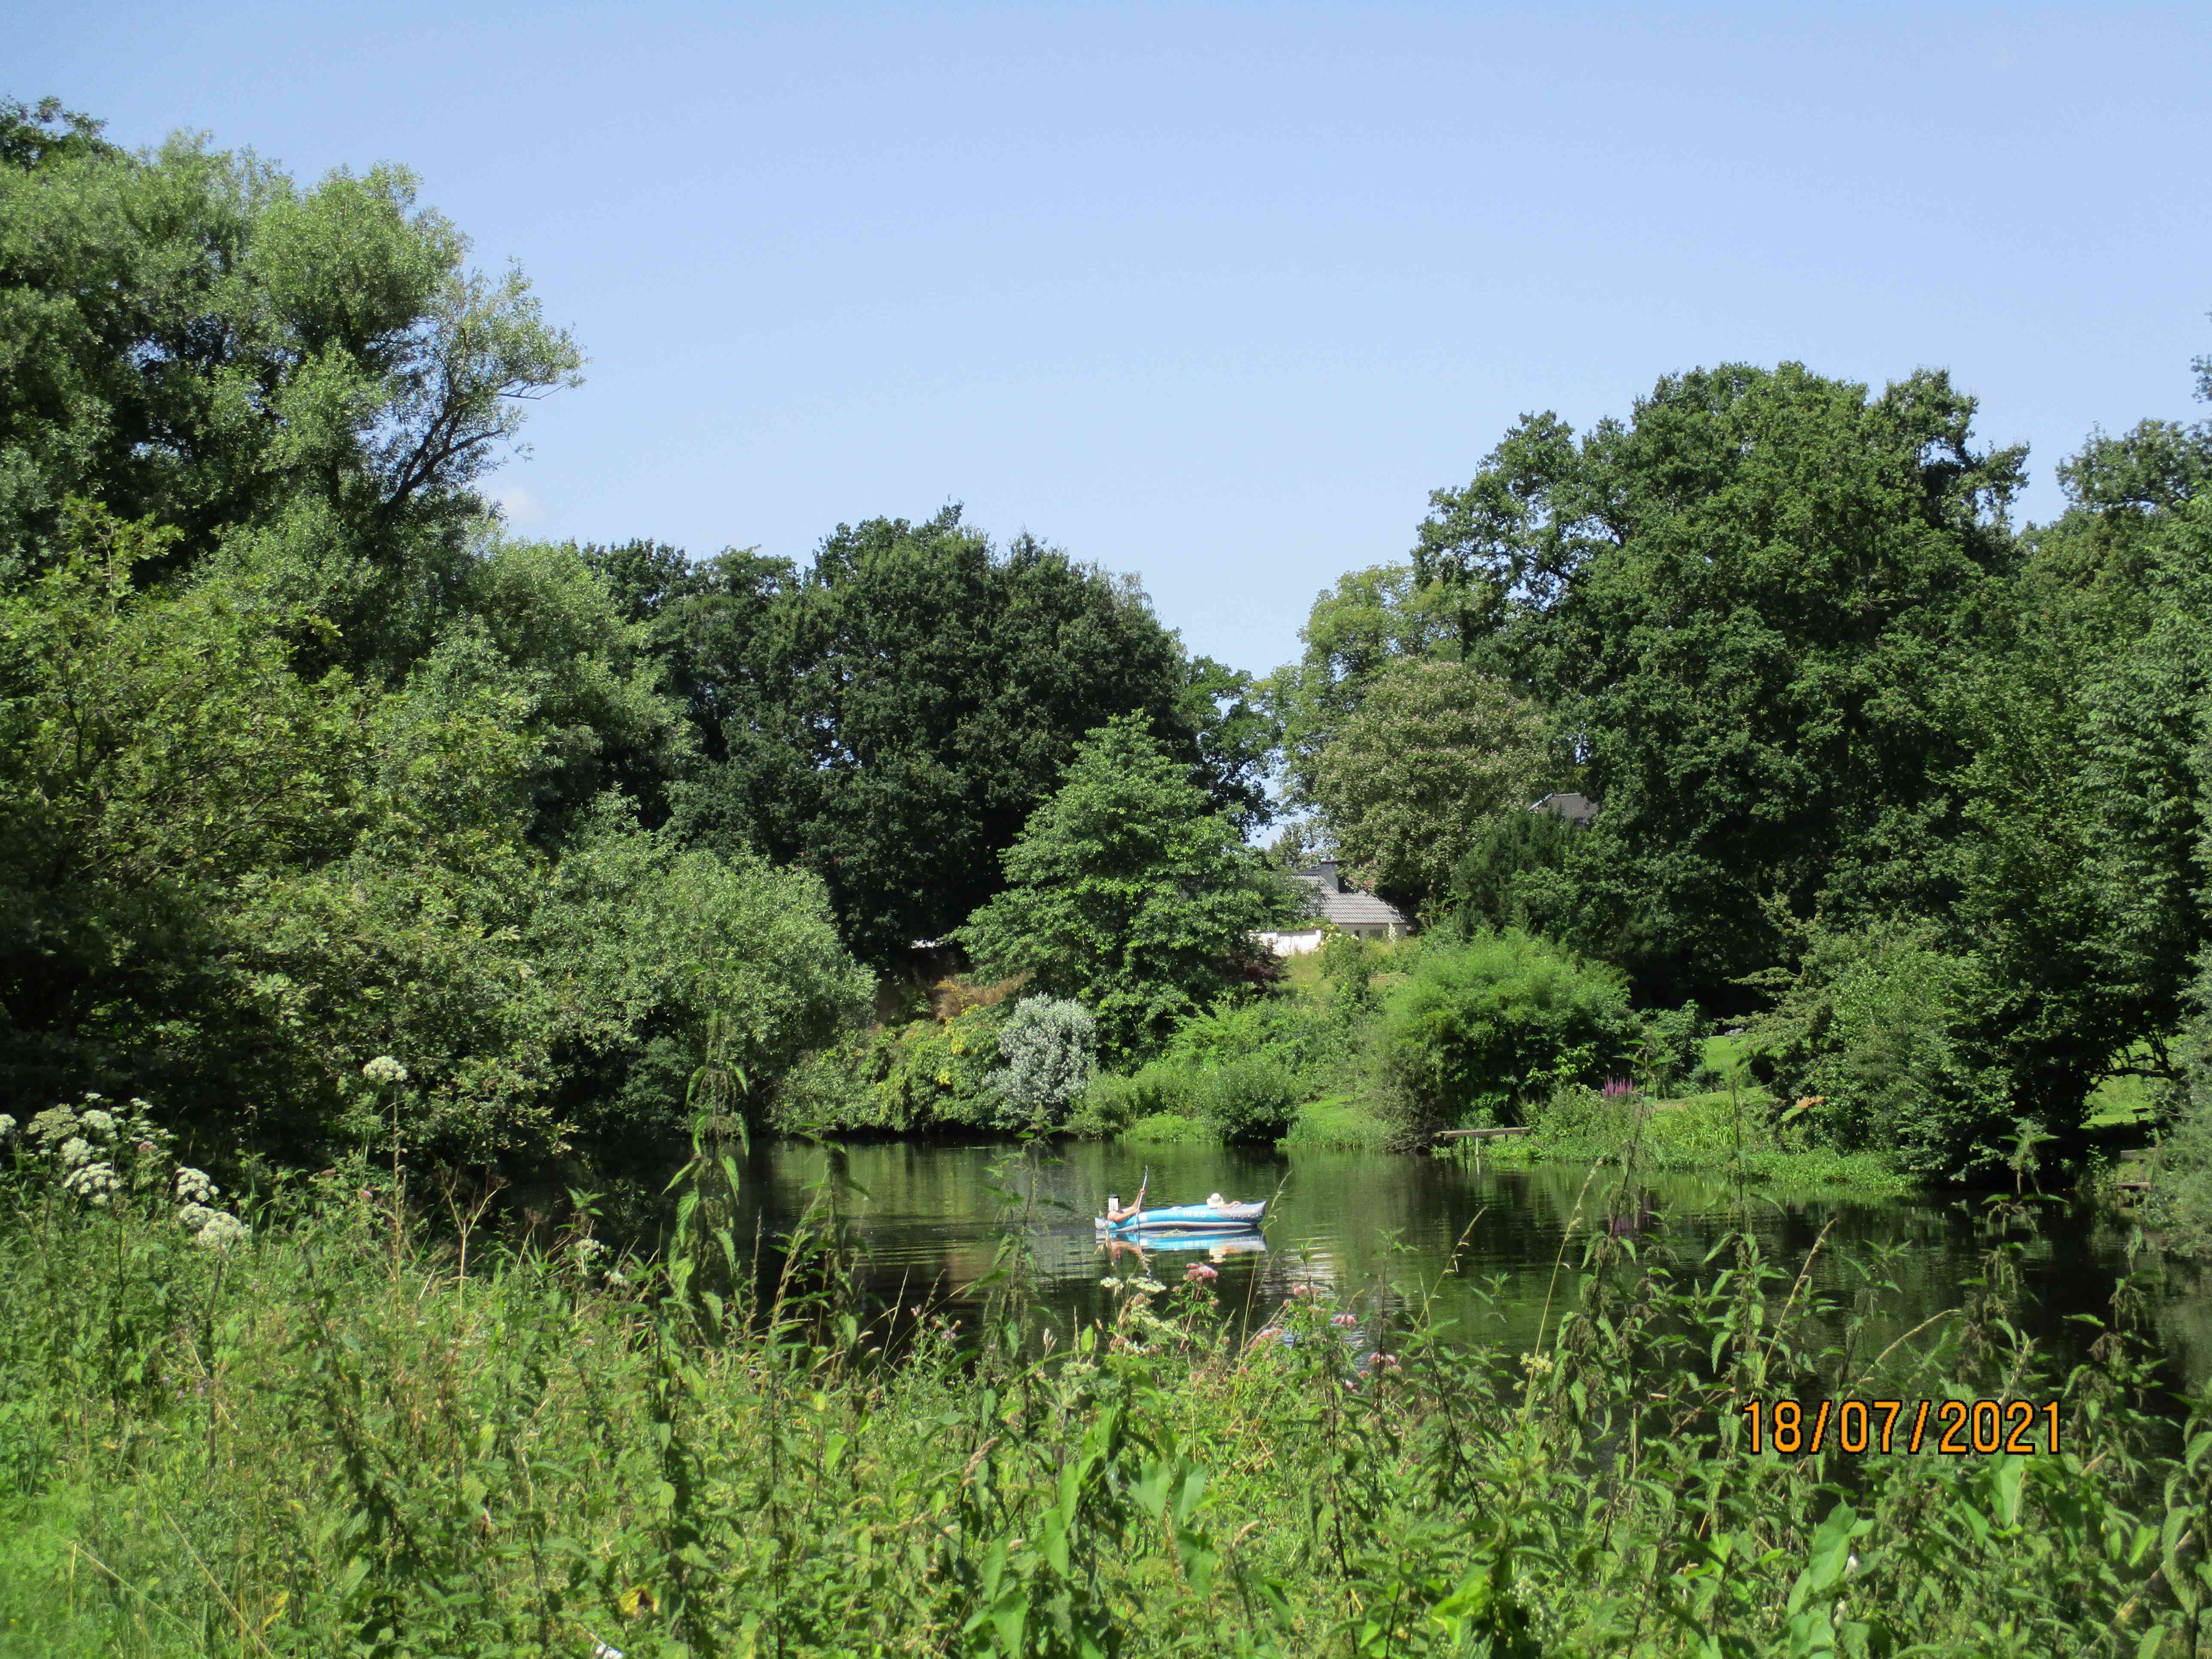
<point x="1370" y="619"/>
<point x="1514" y="874"/>
<point x="2080" y="870"/>
<point x="1747" y="608"/>
<point x="1436" y="750"/>
<point x="1495" y="1022"/>
<point x="1129" y="891"/>
<point x="891" y="717"/>
<point x="194" y="337"/>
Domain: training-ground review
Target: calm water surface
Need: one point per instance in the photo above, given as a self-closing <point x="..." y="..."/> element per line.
<point x="1483" y="1241"/>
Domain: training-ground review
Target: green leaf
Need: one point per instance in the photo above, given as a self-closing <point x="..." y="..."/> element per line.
<point x="2005" y="1478"/>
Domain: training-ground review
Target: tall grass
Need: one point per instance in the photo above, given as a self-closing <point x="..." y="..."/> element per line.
<point x="329" y="1437"/>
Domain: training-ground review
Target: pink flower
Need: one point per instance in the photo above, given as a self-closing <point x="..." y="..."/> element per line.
<point x="1199" y="1273"/>
<point x="1345" y="1320"/>
<point x="1302" y="1291"/>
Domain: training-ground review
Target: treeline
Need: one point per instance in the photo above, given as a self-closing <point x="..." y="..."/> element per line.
<point x="307" y="761"/>
<point x="1918" y="792"/>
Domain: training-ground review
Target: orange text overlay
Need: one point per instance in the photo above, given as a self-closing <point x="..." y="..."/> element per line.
<point x="1952" y="1428"/>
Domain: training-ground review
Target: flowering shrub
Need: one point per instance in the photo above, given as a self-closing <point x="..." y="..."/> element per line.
<point x="98" y="1157"/>
<point x="1050" y="1047"/>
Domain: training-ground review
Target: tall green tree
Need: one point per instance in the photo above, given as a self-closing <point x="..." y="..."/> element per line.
<point x="890" y="717"/>
<point x="1436" y="752"/>
<point x="1746" y="606"/>
<point x="1369" y="620"/>
<point x="1130" y="891"/>
<point x="191" y="337"/>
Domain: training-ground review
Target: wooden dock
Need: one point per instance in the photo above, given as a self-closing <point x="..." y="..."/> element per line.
<point x="1480" y="1134"/>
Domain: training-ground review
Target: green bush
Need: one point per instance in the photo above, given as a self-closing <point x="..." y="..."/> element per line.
<point x="1250" y="1099"/>
<point x="1878" y="1029"/>
<point x="1283" y="1026"/>
<point x="1711" y="1134"/>
<point x="1671" y="1047"/>
<point x="926" y="1074"/>
<point x="1493" y="1023"/>
<point x="1117" y="1100"/>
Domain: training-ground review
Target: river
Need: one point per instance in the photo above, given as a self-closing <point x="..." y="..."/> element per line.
<point x="1485" y="1242"/>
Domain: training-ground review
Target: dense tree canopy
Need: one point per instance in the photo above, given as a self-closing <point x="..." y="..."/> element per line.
<point x="191" y="337"/>
<point x="890" y="717"/>
<point x="1747" y="607"/>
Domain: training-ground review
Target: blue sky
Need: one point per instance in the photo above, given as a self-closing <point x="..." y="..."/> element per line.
<point x="1217" y="294"/>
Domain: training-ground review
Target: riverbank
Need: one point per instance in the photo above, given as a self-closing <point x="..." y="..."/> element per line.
<point x="326" y="1436"/>
<point x="1716" y="1134"/>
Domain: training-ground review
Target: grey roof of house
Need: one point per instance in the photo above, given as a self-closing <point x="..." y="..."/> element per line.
<point x="1333" y="901"/>
<point x="1346" y="908"/>
<point x="1575" y="807"/>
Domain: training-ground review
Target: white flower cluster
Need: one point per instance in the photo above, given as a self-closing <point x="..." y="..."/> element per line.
<point x="1144" y="1286"/>
<point x="99" y="1152"/>
<point x="93" y="1181"/>
<point x="214" y="1230"/>
<point x="7" y="1128"/>
<point x="384" y="1069"/>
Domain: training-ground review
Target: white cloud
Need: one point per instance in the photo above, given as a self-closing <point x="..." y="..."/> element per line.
<point x="519" y="506"/>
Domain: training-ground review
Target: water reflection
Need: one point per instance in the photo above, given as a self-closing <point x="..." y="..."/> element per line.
<point x="1486" y="1246"/>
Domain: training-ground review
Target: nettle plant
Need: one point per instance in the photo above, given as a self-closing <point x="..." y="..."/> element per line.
<point x="96" y="1152"/>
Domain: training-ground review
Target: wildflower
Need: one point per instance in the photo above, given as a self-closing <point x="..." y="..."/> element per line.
<point x="220" y="1231"/>
<point x="7" y="1126"/>
<point x="1109" y="1282"/>
<point x="1199" y="1273"/>
<point x="1537" y="1365"/>
<point x="193" y="1186"/>
<point x="193" y="1216"/>
<point x="1388" y="1361"/>
<point x="52" y="1125"/>
<point x="384" y="1069"/>
<point x="74" y="1151"/>
<point x="92" y="1181"/>
<point x="1346" y="1320"/>
<point x="1303" y="1292"/>
<point x="98" y="1123"/>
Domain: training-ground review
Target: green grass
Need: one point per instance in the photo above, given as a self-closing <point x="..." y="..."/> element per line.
<point x="329" y="1440"/>
<point x="2117" y="1101"/>
<point x="1339" y="1124"/>
<point x="1168" y="1128"/>
<point x="1696" y="1134"/>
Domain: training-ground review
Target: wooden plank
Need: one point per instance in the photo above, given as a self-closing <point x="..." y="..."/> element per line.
<point x="1479" y="1134"/>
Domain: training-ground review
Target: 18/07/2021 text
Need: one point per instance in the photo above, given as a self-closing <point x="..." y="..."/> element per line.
<point x="1959" y="1428"/>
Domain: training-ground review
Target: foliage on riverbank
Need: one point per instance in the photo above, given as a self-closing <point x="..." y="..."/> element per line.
<point x="1746" y="1133"/>
<point x="334" y="1432"/>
